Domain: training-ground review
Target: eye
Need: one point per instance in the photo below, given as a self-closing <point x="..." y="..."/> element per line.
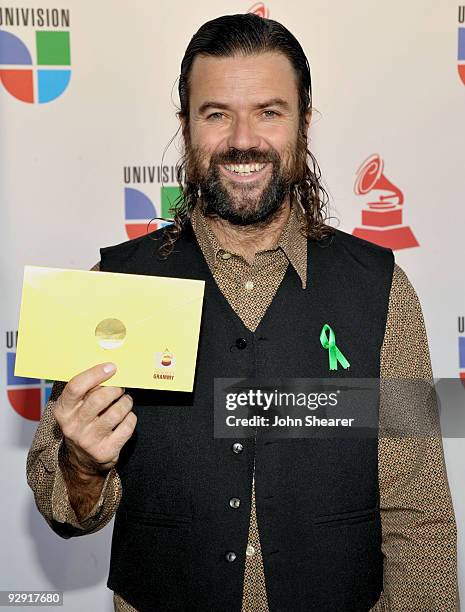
<point x="216" y="115"/>
<point x="270" y="114"/>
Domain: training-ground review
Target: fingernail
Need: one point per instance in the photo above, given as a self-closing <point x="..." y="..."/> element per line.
<point x="109" y="367"/>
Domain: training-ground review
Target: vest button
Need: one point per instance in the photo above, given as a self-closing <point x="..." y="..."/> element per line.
<point x="241" y="343"/>
<point x="234" y="502"/>
<point x="250" y="550"/>
<point x="230" y="556"/>
<point x="237" y="448"/>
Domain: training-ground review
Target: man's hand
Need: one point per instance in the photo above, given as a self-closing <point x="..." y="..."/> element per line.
<point x="96" y="421"/>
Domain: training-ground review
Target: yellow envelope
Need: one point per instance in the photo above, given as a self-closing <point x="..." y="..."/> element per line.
<point x="71" y="320"/>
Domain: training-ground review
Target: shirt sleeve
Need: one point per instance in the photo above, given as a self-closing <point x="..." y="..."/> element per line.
<point x="46" y="479"/>
<point x="419" y="537"/>
<point x="121" y="605"/>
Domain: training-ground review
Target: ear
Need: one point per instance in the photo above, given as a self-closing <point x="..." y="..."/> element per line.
<point x="183" y="122"/>
<point x="307" y="120"/>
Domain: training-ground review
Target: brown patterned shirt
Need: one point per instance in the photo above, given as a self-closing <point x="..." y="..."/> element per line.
<point x="418" y="523"/>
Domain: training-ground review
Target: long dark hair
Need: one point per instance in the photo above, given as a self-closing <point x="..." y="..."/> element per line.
<point x="250" y="34"/>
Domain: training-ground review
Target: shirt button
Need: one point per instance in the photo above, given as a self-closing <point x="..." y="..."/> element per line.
<point x="230" y="556"/>
<point x="249" y="285"/>
<point x="250" y="550"/>
<point x="241" y="343"/>
<point x="225" y="255"/>
<point x="237" y="448"/>
<point x="234" y="502"/>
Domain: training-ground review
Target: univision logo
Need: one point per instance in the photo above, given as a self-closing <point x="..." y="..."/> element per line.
<point x="141" y="209"/>
<point x="461" y="45"/>
<point x="27" y="396"/>
<point x="41" y="75"/>
<point x="461" y="325"/>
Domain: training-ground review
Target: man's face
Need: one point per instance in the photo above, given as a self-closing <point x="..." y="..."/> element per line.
<point x="241" y="141"/>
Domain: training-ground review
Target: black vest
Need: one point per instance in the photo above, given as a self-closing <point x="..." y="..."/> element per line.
<point x="317" y="499"/>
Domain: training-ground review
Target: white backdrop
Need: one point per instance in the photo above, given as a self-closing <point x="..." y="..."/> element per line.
<point x="385" y="81"/>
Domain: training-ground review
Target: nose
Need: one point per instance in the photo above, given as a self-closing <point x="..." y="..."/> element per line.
<point x="242" y="135"/>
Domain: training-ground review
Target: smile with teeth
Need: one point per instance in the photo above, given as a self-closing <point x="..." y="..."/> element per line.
<point x="244" y="169"/>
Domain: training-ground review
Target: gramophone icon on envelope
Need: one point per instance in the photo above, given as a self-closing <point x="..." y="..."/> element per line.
<point x="382" y="220"/>
<point x="71" y="320"/>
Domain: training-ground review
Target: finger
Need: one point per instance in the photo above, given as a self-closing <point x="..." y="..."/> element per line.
<point x="96" y="401"/>
<point x="115" y="414"/>
<point x="121" y="434"/>
<point x="80" y="384"/>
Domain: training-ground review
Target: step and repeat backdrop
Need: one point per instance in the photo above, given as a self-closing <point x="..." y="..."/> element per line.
<point x="88" y="96"/>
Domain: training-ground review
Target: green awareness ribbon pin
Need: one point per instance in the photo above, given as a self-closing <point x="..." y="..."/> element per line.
<point x="329" y="342"/>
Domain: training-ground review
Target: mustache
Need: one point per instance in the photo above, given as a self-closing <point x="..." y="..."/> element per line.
<point x="236" y="156"/>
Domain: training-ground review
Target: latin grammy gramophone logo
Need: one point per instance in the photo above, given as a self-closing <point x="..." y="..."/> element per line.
<point x="165" y="362"/>
<point x="260" y="9"/>
<point x="382" y="218"/>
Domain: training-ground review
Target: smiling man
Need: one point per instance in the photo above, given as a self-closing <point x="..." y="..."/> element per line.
<point x="244" y="142"/>
<point x="221" y="525"/>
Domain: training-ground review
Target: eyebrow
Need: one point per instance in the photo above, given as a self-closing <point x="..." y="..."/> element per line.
<point x="221" y="105"/>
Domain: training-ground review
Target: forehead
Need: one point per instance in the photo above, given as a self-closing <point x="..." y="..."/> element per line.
<point x="242" y="79"/>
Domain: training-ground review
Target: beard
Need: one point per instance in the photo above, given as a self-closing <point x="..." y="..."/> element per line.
<point x="243" y="204"/>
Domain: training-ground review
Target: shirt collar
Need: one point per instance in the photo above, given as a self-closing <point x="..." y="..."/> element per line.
<point x="293" y="241"/>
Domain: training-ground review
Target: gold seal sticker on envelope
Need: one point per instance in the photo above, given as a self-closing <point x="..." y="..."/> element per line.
<point x="71" y="320"/>
<point x="110" y="333"/>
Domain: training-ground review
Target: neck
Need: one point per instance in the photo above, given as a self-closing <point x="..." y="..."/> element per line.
<point x="247" y="240"/>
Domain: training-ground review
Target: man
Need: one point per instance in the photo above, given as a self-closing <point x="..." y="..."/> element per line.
<point x="213" y="524"/>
